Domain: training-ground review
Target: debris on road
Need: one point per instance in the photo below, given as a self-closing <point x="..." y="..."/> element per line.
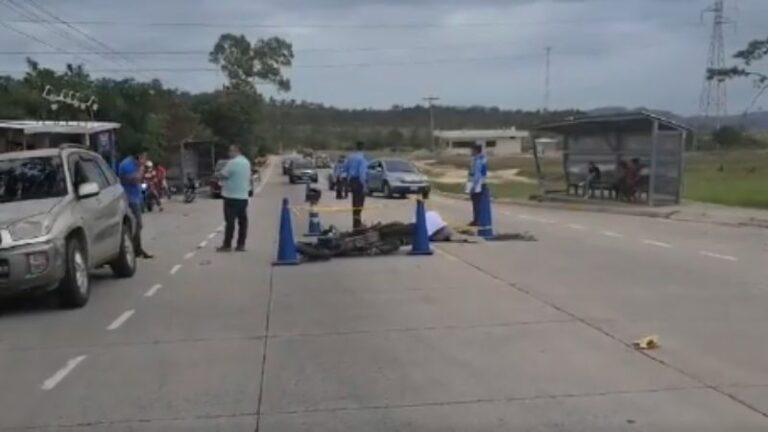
<point x="646" y="343"/>
<point x="378" y="239"/>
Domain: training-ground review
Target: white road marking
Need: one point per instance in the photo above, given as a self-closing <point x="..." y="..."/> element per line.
<point x="121" y="320"/>
<point x="202" y="244"/>
<point x="211" y="236"/>
<point x="506" y="213"/>
<point x="175" y="269"/>
<point x="523" y="216"/>
<point x="719" y="256"/>
<point x="612" y="234"/>
<point x="189" y="255"/>
<point x="53" y="381"/>
<point x="265" y="179"/>
<point x="219" y="229"/>
<point x="546" y="221"/>
<point x="152" y="290"/>
<point x="657" y="243"/>
<point x="577" y="227"/>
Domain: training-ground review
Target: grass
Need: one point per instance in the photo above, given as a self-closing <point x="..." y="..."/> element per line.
<point x="743" y="181"/>
<point x="508" y="189"/>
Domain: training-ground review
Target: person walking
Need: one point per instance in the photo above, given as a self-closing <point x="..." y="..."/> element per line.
<point x="236" y="177"/>
<point x="131" y="174"/>
<point x="476" y="181"/>
<point x="356" y="170"/>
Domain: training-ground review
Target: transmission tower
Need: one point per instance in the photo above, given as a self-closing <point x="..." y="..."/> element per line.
<point x="548" y="51"/>
<point x="714" y="97"/>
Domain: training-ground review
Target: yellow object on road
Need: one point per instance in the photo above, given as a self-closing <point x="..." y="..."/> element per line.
<point x="646" y="343"/>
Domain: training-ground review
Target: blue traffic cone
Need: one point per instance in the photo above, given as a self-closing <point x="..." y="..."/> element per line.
<point x="286" y="247"/>
<point x="485" y="221"/>
<point x="315" y="227"/>
<point x="420" y="245"/>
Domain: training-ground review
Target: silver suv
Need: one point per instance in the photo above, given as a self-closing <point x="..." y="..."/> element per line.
<point x="62" y="214"/>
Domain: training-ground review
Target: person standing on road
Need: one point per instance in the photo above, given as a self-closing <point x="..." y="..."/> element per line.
<point x="476" y="181"/>
<point x="236" y="177"/>
<point x="356" y="169"/>
<point x="131" y="173"/>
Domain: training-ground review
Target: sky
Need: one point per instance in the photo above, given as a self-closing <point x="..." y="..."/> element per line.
<point x="379" y="53"/>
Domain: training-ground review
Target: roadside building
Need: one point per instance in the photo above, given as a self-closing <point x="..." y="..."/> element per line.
<point x="494" y="141"/>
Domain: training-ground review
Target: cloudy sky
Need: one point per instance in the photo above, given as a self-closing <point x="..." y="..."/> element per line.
<point x="377" y="53"/>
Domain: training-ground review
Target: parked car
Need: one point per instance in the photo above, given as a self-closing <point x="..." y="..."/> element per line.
<point x="303" y="171"/>
<point x="396" y="177"/>
<point x="215" y="182"/>
<point x="63" y="214"/>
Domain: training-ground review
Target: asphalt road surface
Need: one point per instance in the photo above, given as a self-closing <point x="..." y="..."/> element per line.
<point x="503" y="336"/>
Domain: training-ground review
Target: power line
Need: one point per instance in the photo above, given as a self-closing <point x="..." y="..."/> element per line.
<point x="40" y="41"/>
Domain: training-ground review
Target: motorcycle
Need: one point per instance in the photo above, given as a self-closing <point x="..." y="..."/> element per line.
<point x="190" y="191"/>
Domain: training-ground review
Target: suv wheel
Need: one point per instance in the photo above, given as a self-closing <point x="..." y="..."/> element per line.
<point x="386" y="190"/>
<point x="124" y="266"/>
<point x="75" y="288"/>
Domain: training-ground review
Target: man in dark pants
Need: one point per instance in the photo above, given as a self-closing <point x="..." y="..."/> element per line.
<point x="131" y="173"/>
<point x="356" y="169"/>
<point x="476" y="182"/>
<point x="237" y="183"/>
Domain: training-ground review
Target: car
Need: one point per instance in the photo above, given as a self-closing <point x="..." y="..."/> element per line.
<point x="303" y="171"/>
<point x="64" y="213"/>
<point x="396" y="177"/>
<point x="287" y="161"/>
<point x="215" y="183"/>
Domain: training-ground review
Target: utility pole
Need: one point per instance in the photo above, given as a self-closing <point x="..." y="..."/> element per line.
<point x="714" y="97"/>
<point x="548" y="51"/>
<point x="430" y="100"/>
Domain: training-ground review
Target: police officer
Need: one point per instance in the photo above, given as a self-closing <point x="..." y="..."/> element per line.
<point x="356" y="169"/>
<point x="476" y="181"/>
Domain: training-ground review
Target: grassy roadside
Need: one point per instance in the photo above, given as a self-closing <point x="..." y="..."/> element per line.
<point x="742" y="182"/>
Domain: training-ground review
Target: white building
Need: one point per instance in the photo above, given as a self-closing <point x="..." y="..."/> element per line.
<point x="494" y="141"/>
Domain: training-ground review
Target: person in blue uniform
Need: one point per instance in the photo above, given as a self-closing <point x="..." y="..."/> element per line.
<point x="476" y="181"/>
<point x="131" y="174"/>
<point x="356" y="170"/>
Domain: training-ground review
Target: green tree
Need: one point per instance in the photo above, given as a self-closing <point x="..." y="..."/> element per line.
<point x="245" y="64"/>
<point x="728" y="137"/>
<point x="755" y="51"/>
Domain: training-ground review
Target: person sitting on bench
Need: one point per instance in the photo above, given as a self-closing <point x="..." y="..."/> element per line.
<point x="593" y="178"/>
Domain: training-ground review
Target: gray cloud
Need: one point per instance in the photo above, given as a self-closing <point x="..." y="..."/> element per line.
<point x="379" y="53"/>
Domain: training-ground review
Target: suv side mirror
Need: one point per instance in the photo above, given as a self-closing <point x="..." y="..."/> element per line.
<point x="87" y="190"/>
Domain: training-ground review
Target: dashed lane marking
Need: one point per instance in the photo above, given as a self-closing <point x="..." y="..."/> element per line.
<point x="152" y="291"/>
<point x="62" y="373"/>
<point x="121" y="320"/>
<point x="612" y="234"/>
<point x="577" y="227"/>
<point x="657" y="243"/>
<point x="211" y="235"/>
<point x="719" y="256"/>
<point x="175" y="269"/>
<point x="202" y="244"/>
<point x="189" y="255"/>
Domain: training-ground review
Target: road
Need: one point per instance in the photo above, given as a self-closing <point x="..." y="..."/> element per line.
<point x="482" y="337"/>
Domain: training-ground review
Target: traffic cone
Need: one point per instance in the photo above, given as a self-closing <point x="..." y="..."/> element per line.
<point x="485" y="223"/>
<point x="286" y="247"/>
<point x="420" y="244"/>
<point x="315" y="227"/>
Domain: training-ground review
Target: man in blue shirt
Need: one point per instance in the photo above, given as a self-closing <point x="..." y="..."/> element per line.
<point x="476" y="182"/>
<point x="131" y="173"/>
<point x="235" y="191"/>
<point x="356" y="169"/>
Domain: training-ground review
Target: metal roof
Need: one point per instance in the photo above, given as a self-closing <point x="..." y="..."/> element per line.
<point x="617" y="121"/>
<point x="29" y="127"/>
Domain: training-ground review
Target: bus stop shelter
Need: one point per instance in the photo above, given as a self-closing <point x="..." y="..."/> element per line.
<point x="607" y="140"/>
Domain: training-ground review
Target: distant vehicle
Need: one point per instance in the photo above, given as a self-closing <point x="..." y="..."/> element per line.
<point x="287" y="161"/>
<point x="302" y="171"/>
<point x="215" y="182"/>
<point x="64" y="213"/>
<point x="396" y="177"/>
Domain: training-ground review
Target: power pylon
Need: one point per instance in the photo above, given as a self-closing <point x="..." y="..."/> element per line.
<point x="714" y="95"/>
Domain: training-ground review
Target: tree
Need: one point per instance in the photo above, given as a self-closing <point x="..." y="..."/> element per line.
<point x="728" y="137"/>
<point x="755" y="51"/>
<point x="244" y="63"/>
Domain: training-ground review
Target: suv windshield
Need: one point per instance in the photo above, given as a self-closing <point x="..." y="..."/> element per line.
<point x="31" y="178"/>
<point x="302" y="164"/>
<point x="399" y="166"/>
